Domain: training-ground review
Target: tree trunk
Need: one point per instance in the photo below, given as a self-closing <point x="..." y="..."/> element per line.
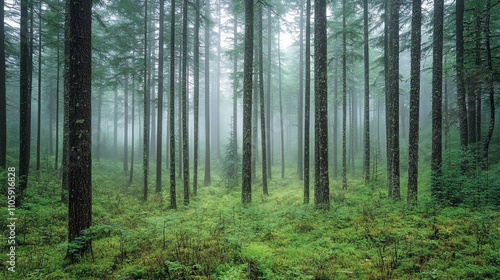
<point x="282" y="144"/>
<point x="335" y="119"/>
<point x="321" y="181"/>
<point x="132" y="144"/>
<point x="268" y="96"/>
<point x="196" y="89"/>
<point x="307" y="115"/>
<point x="207" y="179"/>
<point x="262" y="101"/>
<point x="171" y="117"/>
<point x="184" y="98"/>
<point x="460" y="80"/>
<point x="80" y="117"/>
<point x="159" y="128"/>
<point x="125" y="127"/>
<point x="344" y="98"/>
<point x="145" y="150"/>
<point x="246" y="187"/>
<point x="300" y="111"/>
<point x="437" y="107"/>
<point x="235" y="95"/>
<point x="39" y="98"/>
<point x="393" y="173"/>
<point x="491" y="86"/>
<point x="416" y="25"/>
<point x="3" y="95"/>
<point x="24" y="104"/>
<point x="366" y="136"/>
<point x="58" y="71"/>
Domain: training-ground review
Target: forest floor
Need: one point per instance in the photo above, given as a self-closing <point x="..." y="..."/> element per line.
<point x="363" y="236"/>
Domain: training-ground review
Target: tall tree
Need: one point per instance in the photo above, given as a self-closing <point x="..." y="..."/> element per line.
<point x="80" y="117"/>
<point x="39" y="90"/>
<point x="56" y="160"/>
<point x="262" y="102"/>
<point x="171" y="120"/>
<point x="268" y="95"/>
<point x="235" y="93"/>
<point x="491" y="86"/>
<point x="393" y="151"/>
<point x="300" y="111"/>
<point x="321" y="182"/>
<point x="184" y="98"/>
<point x="246" y="183"/>
<point x="3" y="95"/>
<point x="366" y="136"/>
<point x="125" y="126"/>
<point x="307" y="101"/>
<point x="282" y="138"/>
<point x="437" y="102"/>
<point x="145" y="147"/>
<point x="196" y="90"/>
<point x="159" y="127"/>
<point x="460" y="79"/>
<point x="344" y="97"/>
<point x="24" y="104"/>
<point x="132" y="137"/>
<point x="207" y="178"/>
<point x="416" y="25"/>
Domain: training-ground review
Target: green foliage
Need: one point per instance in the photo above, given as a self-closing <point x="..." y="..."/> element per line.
<point x="364" y="236"/>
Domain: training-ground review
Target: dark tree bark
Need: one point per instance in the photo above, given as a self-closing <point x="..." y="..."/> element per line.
<point x="3" y="95"/>
<point x="344" y="98"/>
<point x="321" y="181"/>
<point x="300" y="111"/>
<point x="145" y="139"/>
<point x="491" y="86"/>
<point x="24" y="104"/>
<point x="366" y="136"/>
<point x="196" y="90"/>
<point x="387" y="92"/>
<point x="39" y="90"/>
<point x="307" y="111"/>
<point x="207" y="176"/>
<point x="393" y="152"/>
<point x="80" y="117"/>
<point x="416" y="25"/>
<point x="185" y="139"/>
<point x="437" y="102"/>
<point x="171" y="120"/>
<point x="268" y="96"/>
<point x="159" y="126"/>
<point x="246" y="187"/>
<point x="478" y="83"/>
<point x="262" y="103"/>
<point x="460" y="80"/>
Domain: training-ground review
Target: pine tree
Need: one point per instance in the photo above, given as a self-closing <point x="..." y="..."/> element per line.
<point x="80" y="116"/>
<point x="246" y="187"/>
<point x="321" y="181"/>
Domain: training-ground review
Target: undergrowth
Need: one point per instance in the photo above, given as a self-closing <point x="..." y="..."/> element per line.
<point x="364" y="236"/>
